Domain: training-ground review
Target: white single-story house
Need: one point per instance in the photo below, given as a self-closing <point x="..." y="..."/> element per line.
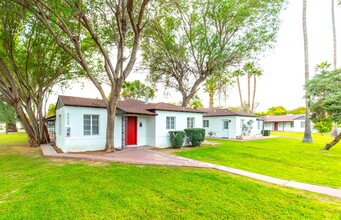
<point x="284" y="123"/>
<point x="225" y="123"/>
<point x="81" y="123"/>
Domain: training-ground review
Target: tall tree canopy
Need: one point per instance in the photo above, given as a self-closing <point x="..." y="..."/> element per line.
<point x="188" y="40"/>
<point x="30" y="64"/>
<point x="324" y="95"/>
<point x="101" y="36"/>
<point x="137" y="90"/>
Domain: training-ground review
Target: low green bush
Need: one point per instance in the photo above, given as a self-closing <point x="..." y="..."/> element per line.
<point x="195" y="136"/>
<point x="177" y="138"/>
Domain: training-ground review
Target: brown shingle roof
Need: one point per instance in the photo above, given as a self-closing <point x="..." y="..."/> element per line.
<point x="281" y="118"/>
<point x="212" y="112"/>
<point x="171" y="107"/>
<point x="84" y="102"/>
<point x="129" y="106"/>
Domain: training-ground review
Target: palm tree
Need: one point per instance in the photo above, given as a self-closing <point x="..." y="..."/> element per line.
<point x="334" y="132"/>
<point x="237" y="74"/>
<point x="251" y="70"/>
<point x="256" y="73"/>
<point x="211" y="86"/>
<point x="307" y="130"/>
<point x="334" y="33"/>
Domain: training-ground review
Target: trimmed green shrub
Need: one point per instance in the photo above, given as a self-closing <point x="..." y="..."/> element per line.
<point x="177" y="138"/>
<point x="266" y="132"/>
<point x="195" y="136"/>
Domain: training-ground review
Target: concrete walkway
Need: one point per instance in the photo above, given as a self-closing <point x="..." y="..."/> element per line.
<point x="145" y="156"/>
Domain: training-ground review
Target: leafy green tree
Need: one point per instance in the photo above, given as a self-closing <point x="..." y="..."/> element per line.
<point x="324" y="95"/>
<point x="297" y="111"/>
<point x="29" y="70"/>
<point x="189" y="40"/>
<point x="101" y="36"/>
<point x="276" y="110"/>
<point x="137" y="90"/>
<point x="215" y="83"/>
<point x="323" y="126"/>
<point x="196" y="102"/>
<point x="8" y="116"/>
<point x="51" y="111"/>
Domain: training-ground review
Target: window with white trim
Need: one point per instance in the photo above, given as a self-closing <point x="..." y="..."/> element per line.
<point x="206" y="123"/>
<point x="242" y="121"/>
<point x="226" y="125"/>
<point x="91" y="124"/>
<point x="190" y="122"/>
<point x="292" y="124"/>
<point x="170" y="122"/>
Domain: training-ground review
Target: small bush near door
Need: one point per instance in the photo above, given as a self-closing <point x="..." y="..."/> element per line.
<point x="177" y="138"/>
<point x="195" y="136"/>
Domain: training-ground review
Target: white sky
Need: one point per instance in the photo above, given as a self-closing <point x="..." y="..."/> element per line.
<point x="283" y="78"/>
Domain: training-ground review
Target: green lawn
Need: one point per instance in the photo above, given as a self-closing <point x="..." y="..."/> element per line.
<point x="286" y="158"/>
<point x="11" y="139"/>
<point x="33" y="187"/>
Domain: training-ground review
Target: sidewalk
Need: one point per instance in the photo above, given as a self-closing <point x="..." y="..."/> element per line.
<point x="145" y="156"/>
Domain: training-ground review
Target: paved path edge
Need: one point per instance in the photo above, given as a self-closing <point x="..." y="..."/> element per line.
<point x="49" y="151"/>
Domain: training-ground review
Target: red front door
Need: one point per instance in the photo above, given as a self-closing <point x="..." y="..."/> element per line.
<point x="132" y="130"/>
<point x="276" y="126"/>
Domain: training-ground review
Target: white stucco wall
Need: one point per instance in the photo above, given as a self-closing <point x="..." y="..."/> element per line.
<point x="216" y="126"/>
<point x="161" y="133"/>
<point x="72" y="117"/>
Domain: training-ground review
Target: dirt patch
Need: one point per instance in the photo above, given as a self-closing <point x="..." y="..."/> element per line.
<point x="66" y="161"/>
<point x="25" y="150"/>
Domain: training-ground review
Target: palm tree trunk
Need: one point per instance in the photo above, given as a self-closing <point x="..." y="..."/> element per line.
<point x="248" y="92"/>
<point x="307" y="130"/>
<point x="254" y="92"/>
<point x="334" y="35"/>
<point x="240" y="93"/>
<point x="211" y="100"/>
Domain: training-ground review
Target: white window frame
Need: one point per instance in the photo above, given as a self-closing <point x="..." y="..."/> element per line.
<point x="190" y="122"/>
<point x="292" y="124"/>
<point x="170" y="122"/>
<point x="206" y="123"/>
<point x="242" y="121"/>
<point x="91" y="131"/>
<point x="226" y="123"/>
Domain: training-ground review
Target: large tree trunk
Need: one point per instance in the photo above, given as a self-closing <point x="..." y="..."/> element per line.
<point x="11" y="127"/>
<point x="307" y="130"/>
<point x="254" y="93"/>
<point x="334" y="142"/>
<point x="248" y="92"/>
<point x="240" y="93"/>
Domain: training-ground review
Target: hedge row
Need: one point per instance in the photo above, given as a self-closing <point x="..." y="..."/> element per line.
<point x="195" y="137"/>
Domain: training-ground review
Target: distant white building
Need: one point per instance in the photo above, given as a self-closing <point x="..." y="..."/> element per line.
<point x="81" y="123"/>
<point x="284" y="123"/>
<point x="225" y="123"/>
